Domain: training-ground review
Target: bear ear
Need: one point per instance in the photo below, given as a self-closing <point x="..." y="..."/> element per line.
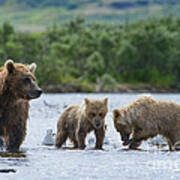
<point x="9" y="64"/>
<point x="116" y="113"/>
<point x="87" y="101"/>
<point x="105" y="100"/>
<point x="32" y="67"/>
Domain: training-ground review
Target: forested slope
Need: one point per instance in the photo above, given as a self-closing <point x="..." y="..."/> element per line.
<point x="142" y="52"/>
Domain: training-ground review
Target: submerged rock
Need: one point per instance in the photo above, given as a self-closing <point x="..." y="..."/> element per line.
<point x="157" y="141"/>
<point x="7" y="170"/>
<point x="106" y="140"/>
<point x="92" y="140"/>
<point x="12" y="154"/>
<point x="177" y="146"/>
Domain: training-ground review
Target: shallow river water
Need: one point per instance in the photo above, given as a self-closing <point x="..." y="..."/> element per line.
<point x="40" y="162"/>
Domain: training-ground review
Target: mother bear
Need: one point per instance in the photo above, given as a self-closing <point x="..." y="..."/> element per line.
<point x="17" y="87"/>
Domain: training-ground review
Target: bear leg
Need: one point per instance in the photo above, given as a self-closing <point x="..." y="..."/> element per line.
<point x="15" y="138"/>
<point x="81" y="135"/>
<point x="100" y="134"/>
<point x="134" y="144"/>
<point x="61" y="138"/>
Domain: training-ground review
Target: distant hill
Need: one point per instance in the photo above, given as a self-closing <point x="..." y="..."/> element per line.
<point x="73" y="4"/>
<point x="41" y="13"/>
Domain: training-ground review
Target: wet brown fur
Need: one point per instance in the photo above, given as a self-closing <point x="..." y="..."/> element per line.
<point x="147" y="117"/>
<point x="14" y="105"/>
<point x="79" y="119"/>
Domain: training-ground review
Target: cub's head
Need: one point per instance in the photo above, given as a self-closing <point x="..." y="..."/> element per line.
<point x="122" y="125"/>
<point x="20" y="80"/>
<point x="95" y="111"/>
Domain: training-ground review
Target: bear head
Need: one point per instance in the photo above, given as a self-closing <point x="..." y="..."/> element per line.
<point x="95" y="111"/>
<point x="122" y="124"/>
<point x="20" y="80"/>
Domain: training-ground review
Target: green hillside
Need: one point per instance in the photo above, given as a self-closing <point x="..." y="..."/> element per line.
<point x="37" y="14"/>
<point x="81" y="55"/>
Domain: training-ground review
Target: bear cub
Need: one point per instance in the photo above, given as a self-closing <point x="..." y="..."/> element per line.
<point x="147" y="117"/>
<point x="79" y="119"/>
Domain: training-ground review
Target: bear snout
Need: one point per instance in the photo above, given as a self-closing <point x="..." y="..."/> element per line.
<point x="39" y="91"/>
<point x="125" y="140"/>
<point x="35" y="93"/>
<point x="97" y="123"/>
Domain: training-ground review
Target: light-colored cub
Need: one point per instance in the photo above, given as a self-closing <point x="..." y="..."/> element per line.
<point x="79" y="119"/>
<point x="147" y="117"/>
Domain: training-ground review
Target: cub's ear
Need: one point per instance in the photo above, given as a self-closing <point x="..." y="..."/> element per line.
<point x="116" y="113"/>
<point x="9" y="64"/>
<point x="32" y="67"/>
<point x="105" y="100"/>
<point x="86" y="100"/>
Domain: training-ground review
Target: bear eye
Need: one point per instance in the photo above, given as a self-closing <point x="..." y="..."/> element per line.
<point x="93" y="114"/>
<point x="26" y="80"/>
<point x="100" y="114"/>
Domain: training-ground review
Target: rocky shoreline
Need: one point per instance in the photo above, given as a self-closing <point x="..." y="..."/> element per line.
<point x="71" y="87"/>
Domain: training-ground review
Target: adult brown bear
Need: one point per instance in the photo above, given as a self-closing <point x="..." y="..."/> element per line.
<point x="17" y="87"/>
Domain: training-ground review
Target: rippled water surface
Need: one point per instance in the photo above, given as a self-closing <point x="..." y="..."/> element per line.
<point x="40" y="162"/>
